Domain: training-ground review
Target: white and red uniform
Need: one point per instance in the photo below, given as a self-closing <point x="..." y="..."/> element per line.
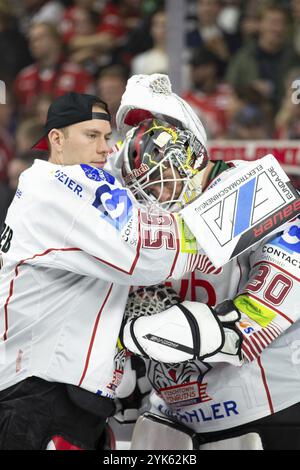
<point x="72" y="244"/>
<point x="212" y="397"/>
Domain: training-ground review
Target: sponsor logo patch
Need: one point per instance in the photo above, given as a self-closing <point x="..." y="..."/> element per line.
<point x="185" y="394"/>
<point x="97" y="174"/>
<point x="137" y="172"/>
<point x="188" y="243"/>
<point x="254" y="310"/>
<point x="114" y="205"/>
<point x="68" y="182"/>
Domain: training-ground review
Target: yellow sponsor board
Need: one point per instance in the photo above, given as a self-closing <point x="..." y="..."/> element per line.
<point x="254" y="310"/>
<point x="188" y="243"/>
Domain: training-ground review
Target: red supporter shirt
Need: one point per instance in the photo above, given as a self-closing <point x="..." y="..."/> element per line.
<point x="211" y="109"/>
<point x="110" y="21"/>
<point x="67" y="25"/>
<point x="66" y="77"/>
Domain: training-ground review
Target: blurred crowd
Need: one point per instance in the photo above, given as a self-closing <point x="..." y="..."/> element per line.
<point x="242" y="61"/>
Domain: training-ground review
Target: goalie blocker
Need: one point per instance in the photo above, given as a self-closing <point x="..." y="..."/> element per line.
<point x="186" y="331"/>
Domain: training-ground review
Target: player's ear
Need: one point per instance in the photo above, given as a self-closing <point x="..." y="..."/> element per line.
<point x="56" y="138"/>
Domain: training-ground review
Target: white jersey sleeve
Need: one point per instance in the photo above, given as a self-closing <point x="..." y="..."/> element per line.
<point x="268" y="302"/>
<point x="90" y="225"/>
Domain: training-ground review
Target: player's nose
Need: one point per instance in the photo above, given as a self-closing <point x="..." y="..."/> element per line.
<point x="102" y="146"/>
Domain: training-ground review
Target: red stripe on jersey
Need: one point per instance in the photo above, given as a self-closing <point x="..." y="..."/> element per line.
<point x="273" y="333"/>
<point x="278" y="330"/>
<point x="266" y="385"/>
<point x="11" y="286"/>
<point x="246" y="352"/>
<point x="190" y="263"/>
<point x="255" y="344"/>
<point x="267" y="337"/>
<point x="271" y="307"/>
<point x="249" y="347"/>
<point x="177" y="246"/>
<point x="261" y="344"/>
<point x="93" y="336"/>
<point x="269" y="334"/>
<point x="195" y="262"/>
<point x="11" y="290"/>
<point x="264" y="339"/>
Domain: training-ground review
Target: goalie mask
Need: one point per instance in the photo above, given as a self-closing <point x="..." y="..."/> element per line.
<point x="162" y="162"/>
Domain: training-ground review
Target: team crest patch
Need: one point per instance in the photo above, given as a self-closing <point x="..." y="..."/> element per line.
<point x="97" y="174"/>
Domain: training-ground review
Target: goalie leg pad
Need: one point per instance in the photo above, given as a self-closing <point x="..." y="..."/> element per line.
<point x="250" y="441"/>
<point x="154" y="432"/>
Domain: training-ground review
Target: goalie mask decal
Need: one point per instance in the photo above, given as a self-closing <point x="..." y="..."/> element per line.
<point x="160" y="161"/>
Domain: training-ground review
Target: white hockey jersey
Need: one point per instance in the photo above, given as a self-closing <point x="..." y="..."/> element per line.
<point x="72" y="244"/>
<point x="264" y="281"/>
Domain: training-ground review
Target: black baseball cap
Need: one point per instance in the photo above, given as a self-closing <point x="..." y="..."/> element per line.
<point x="69" y="109"/>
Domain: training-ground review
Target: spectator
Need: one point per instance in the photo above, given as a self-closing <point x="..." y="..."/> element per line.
<point x="19" y="164"/>
<point x="13" y="47"/>
<point x="295" y="10"/>
<point x="85" y="24"/>
<point x="155" y="59"/>
<point x="6" y="153"/>
<point x="288" y="117"/>
<point x="265" y="62"/>
<point x="110" y="85"/>
<point x="249" y="22"/>
<point x="118" y="18"/>
<point x="67" y="27"/>
<point x="229" y="16"/>
<point x="139" y="38"/>
<point x="208" y="96"/>
<point x="208" y="33"/>
<point x="41" y="108"/>
<point x="50" y="73"/>
<point x="121" y="16"/>
<point x="27" y="134"/>
<point x="41" y="11"/>
<point x="250" y="123"/>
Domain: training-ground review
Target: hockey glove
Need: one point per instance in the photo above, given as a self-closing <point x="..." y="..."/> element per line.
<point x="190" y="330"/>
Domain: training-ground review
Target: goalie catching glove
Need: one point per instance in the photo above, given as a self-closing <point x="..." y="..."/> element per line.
<point x="187" y="331"/>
